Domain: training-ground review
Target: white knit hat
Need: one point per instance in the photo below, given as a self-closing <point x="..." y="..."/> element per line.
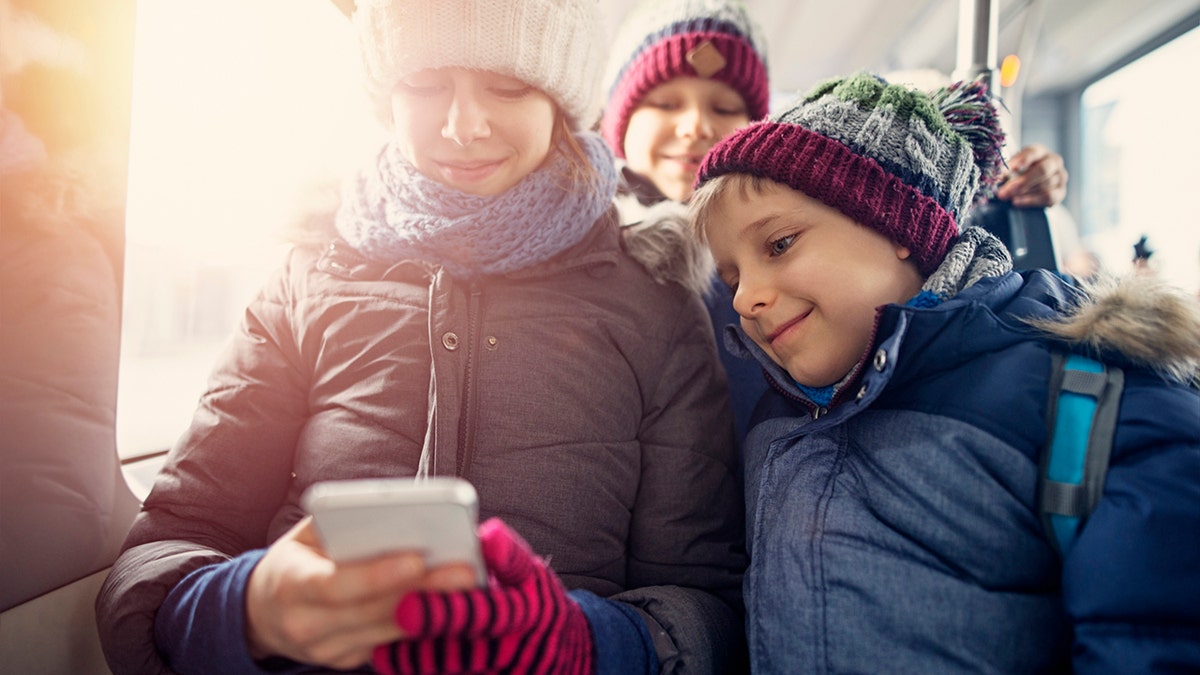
<point x="554" y="45"/>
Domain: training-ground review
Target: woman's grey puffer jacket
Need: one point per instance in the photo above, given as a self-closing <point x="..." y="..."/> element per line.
<point x="581" y="397"/>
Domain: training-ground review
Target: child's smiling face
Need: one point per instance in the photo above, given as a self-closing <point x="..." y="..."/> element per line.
<point x="473" y="130"/>
<point x="806" y="278"/>
<point x="675" y="125"/>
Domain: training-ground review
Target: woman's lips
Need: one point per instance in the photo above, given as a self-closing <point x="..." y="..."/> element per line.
<point x="469" y="172"/>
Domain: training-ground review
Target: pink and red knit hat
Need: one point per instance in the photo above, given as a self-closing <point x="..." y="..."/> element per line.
<point x="660" y="41"/>
<point x="906" y="163"/>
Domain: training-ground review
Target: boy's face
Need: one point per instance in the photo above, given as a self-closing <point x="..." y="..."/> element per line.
<point x="806" y="278"/>
<point x="675" y="125"/>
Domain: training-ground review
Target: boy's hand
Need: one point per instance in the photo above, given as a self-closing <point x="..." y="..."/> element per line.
<point x="1037" y="177"/>
<point x="303" y="606"/>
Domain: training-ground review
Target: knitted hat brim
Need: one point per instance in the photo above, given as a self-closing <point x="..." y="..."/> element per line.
<point x="744" y="72"/>
<point x="827" y="170"/>
<point x="553" y="45"/>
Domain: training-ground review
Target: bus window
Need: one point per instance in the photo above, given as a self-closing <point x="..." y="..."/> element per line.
<point x="223" y="147"/>
<point x="1138" y="172"/>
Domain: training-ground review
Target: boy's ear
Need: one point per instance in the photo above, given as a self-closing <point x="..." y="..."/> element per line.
<point x="902" y="252"/>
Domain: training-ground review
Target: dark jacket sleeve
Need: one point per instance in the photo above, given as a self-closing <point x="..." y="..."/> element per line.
<point x="1131" y="582"/>
<point x="221" y="486"/>
<point x="687" y="551"/>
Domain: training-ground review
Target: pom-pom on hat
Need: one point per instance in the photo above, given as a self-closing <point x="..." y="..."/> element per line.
<point x="903" y="162"/>
<point x="662" y="40"/>
<point x="554" y="45"/>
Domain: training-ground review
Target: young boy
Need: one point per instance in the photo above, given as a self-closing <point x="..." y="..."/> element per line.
<point x="891" y="482"/>
<point x="682" y="75"/>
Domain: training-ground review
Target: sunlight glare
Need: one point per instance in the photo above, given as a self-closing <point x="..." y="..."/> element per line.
<point x="237" y="106"/>
<point x="238" y="109"/>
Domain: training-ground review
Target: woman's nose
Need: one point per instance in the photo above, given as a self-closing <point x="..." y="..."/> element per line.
<point x="466" y="120"/>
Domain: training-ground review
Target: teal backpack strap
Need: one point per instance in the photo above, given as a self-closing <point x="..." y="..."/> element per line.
<point x="1085" y="396"/>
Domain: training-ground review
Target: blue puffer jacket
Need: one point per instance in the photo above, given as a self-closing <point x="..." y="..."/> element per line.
<point x="899" y="532"/>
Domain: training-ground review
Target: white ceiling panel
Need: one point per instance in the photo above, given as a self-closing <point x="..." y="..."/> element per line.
<point x="809" y="40"/>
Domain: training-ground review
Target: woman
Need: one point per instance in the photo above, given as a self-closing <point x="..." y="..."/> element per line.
<point x="476" y="316"/>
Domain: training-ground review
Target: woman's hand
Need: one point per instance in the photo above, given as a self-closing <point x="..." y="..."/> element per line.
<point x="1036" y="177"/>
<point x="302" y="606"/>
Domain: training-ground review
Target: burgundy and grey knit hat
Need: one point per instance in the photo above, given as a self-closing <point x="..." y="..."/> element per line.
<point x="906" y="163"/>
<point x="662" y="40"/>
<point x="554" y="45"/>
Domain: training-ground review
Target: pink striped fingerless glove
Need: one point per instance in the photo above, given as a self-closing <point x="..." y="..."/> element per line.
<point x="523" y="622"/>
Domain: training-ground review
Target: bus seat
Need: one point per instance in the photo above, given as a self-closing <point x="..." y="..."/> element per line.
<point x="55" y="631"/>
<point x="65" y="506"/>
<point x="1025" y="231"/>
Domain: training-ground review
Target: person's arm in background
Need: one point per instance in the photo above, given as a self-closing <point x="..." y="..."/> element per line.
<point x="1036" y="177"/>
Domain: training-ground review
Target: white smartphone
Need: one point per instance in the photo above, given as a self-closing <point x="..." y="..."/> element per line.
<point x="358" y="519"/>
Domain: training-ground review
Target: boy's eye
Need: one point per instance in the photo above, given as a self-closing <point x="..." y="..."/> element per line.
<point x="779" y="246"/>
<point x="661" y="105"/>
<point x="729" y="111"/>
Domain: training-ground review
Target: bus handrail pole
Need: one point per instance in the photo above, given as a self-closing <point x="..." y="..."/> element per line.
<point x="978" y="26"/>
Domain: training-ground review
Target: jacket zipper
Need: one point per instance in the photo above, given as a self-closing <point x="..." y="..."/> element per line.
<point x="815" y="411"/>
<point x="466" y="420"/>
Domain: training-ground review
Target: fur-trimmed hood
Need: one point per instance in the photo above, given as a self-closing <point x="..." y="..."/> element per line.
<point x="1140" y="317"/>
<point x="656" y="233"/>
<point x="663" y="244"/>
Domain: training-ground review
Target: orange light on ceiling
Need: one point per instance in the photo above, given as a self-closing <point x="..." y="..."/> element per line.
<point x="1009" y="68"/>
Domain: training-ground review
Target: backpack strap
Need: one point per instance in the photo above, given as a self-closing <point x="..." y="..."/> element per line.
<point x="1081" y="417"/>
